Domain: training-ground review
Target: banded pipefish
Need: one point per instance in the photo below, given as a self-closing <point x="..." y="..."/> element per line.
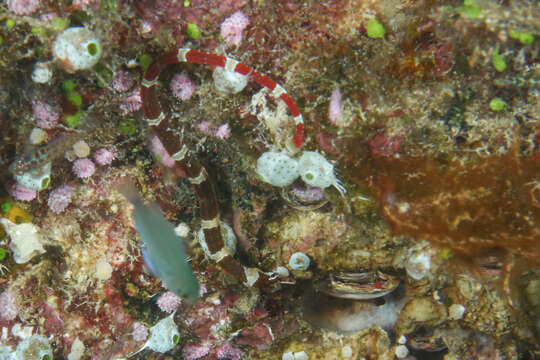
<point x="196" y="173"/>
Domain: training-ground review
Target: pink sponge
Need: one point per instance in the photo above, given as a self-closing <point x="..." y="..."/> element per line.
<point x="232" y="27"/>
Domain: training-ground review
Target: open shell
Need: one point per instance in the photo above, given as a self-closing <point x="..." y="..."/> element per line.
<point x="304" y="198"/>
<point x="359" y="286"/>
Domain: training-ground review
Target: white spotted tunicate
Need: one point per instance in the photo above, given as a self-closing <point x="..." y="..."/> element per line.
<point x="77" y="48"/>
<point x="316" y="171"/>
<point x="35" y="347"/>
<point x="299" y="261"/>
<point x="228" y="81"/>
<point x="277" y="169"/>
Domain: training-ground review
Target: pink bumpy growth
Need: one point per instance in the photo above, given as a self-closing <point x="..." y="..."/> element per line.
<point x="182" y="87"/>
<point x="84" y="168"/>
<point x="8" y="307"/>
<point x="223" y="132"/>
<point x="168" y="302"/>
<point x="123" y="81"/>
<point x="334" y="109"/>
<point x="232" y="27"/>
<point x="227" y="351"/>
<point x="21" y="193"/>
<point x="60" y="198"/>
<point x="195" y="351"/>
<point x="140" y="332"/>
<point x="23" y="7"/>
<point x="46" y="116"/>
<point x="104" y="156"/>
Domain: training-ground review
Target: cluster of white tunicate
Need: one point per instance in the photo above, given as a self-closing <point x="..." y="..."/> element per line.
<point x="77" y="48"/>
<point x="281" y="170"/>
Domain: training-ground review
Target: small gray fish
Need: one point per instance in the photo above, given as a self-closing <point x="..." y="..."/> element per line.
<point x="163" y="250"/>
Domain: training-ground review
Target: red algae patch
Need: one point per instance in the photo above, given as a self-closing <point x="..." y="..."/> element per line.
<point x="492" y="203"/>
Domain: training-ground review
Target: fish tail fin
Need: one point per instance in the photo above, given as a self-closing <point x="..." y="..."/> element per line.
<point x="129" y="190"/>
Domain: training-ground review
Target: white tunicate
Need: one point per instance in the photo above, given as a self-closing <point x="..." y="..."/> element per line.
<point x="301" y="355"/>
<point x="77" y="48"/>
<point x="228" y="81"/>
<point x="299" y="261"/>
<point x="418" y="265"/>
<point x="163" y="336"/>
<point x="277" y="169"/>
<point x="26" y="242"/>
<point x="289" y="355"/>
<point x="42" y="73"/>
<point x="36" y="347"/>
<point x="36" y="179"/>
<point x="316" y="171"/>
<point x="347" y="352"/>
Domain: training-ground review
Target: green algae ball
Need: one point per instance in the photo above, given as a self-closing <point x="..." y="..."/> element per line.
<point x="74" y="119"/>
<point x="375" y="29"/>
<point x="193" y="31"/>
<point x="497" y="104"/>
<point x="127" y="127"/>
<point x="145" y="60"/>
<point x="75" y="99"/>
<point x="498" y="61"/>
<point x="3" y="254"/>
<point x="526" y="38"/>
<point x="6" y="206"/>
